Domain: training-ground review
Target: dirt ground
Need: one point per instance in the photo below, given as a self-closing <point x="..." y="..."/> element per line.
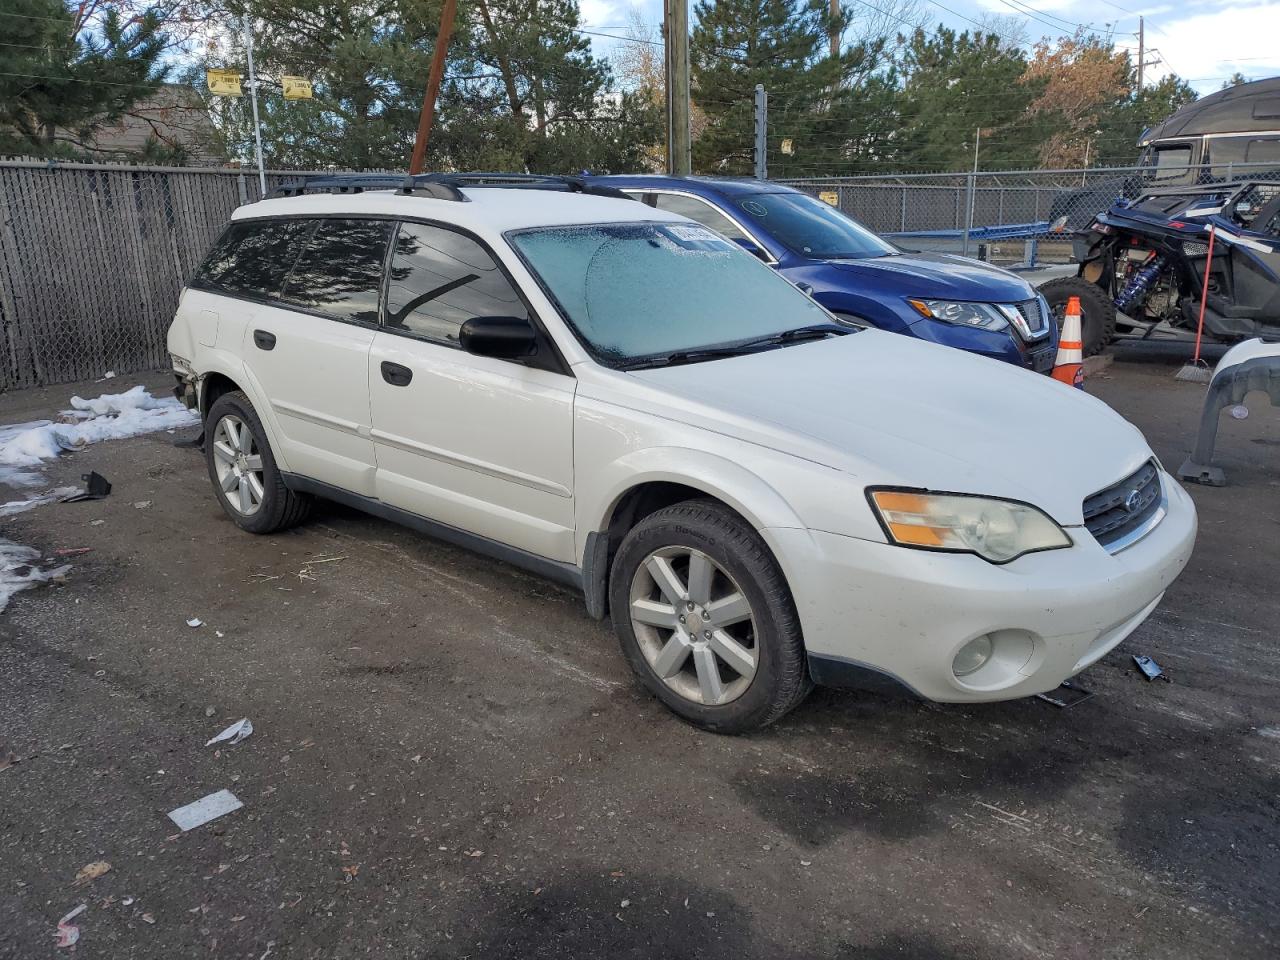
<point x="450" y="759"/>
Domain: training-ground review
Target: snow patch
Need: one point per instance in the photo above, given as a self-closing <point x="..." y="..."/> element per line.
<point x="112" y="416"/>
<point x="22" y="506"/>
<point x="19" y="569"/>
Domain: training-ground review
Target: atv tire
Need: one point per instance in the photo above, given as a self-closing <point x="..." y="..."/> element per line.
<point x="1097" y="312"/>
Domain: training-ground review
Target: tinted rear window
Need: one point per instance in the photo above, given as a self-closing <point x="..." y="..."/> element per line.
<point x="340" y="272"/>
<point x="253" y="257"/>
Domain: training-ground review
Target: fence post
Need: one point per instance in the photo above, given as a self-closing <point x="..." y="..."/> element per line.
<point x="244" y="189"/>
<point x="903" y="228"/>
<point x="968" y="218"/>
<point x="762" y="132"/>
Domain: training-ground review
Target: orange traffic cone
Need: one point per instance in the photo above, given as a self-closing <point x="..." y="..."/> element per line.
<point x="1069" y="365"/>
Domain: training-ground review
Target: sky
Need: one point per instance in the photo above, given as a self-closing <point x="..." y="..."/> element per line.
<point x="1203" y="41"/>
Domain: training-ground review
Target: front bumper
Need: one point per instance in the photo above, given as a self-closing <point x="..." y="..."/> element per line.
<point x="906" y="613"/>
<point x="1004" y="345"/>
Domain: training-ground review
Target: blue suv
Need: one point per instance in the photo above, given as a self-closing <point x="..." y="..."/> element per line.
<point x="860" y="276"/>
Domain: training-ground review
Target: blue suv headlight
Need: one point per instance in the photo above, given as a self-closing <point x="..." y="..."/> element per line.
<point x="984" y="316"/>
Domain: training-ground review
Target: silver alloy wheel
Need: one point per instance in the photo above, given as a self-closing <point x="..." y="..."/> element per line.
<point x="694" y="625"/>
<point x="239" y="465"/>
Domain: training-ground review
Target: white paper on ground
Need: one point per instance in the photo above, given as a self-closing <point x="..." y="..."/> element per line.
<point x="208" y="808"/>
<point x="235" y="733"/>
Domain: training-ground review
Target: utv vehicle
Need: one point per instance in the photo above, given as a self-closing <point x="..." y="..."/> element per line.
<point x="1143" y="264"/>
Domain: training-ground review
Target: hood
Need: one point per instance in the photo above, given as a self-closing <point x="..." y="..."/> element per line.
<point x="894" y="410"/>
<point x="937" y="276"/>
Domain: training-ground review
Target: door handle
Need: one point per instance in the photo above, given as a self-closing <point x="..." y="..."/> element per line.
<point x="395" y="374"/>
<point x="264" y="340"/>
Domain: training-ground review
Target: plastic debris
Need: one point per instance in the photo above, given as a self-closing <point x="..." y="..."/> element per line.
<point x="234" y="733"/>
<point x="1066" y="694"/>
<point x="205" y="809"/>
<point x="96" y="486"/>
<point x="91" y="871"/>
<point x="1150" y="669"/>
<point x="141" y="504"/>
<point x="68" y="933"/>
<point x="7" y="757"/>
<point x="195" y="622"/>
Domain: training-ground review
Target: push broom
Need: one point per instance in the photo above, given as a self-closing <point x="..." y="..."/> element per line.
<point x="1197" y="371"/>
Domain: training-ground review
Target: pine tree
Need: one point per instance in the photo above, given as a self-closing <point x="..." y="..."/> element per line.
<point x="782" y="44"/>
<point x="61" y="77"/>
<point x="956" y="84"/>
<point x="522" y="90"/>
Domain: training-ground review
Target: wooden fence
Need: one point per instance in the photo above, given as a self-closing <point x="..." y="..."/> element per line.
<point x="92" y="259"/>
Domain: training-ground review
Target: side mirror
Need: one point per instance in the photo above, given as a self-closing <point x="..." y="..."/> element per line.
<point x="751" y="248"/>
<point x="507" y="338"/>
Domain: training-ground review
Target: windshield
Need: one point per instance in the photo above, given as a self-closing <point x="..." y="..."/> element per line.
<point x="642" y="290"/>
<point x="811" y="228"/>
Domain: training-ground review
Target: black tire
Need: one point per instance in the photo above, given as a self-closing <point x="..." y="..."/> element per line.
<point x="280" y="507"/>
<point x="781" y="677"/>
<point x="1097" y="312"/>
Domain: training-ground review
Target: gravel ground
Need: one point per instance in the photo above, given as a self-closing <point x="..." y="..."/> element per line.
<point x="450" y="759"/>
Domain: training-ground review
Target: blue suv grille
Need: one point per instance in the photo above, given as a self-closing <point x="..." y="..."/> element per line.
<point x="1116" y="514"/>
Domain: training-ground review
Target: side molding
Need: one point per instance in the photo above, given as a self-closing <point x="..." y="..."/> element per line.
<point x="565" y="573"/>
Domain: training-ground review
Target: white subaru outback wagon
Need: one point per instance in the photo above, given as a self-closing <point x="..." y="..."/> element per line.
<point x="759" y="496"/>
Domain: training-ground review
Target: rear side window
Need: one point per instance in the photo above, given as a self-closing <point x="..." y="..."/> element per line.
<point x="253" y="257"/>
<point x="340" y="272"/>
<point x="440" y="279"/>
<point x="701" y="211"/>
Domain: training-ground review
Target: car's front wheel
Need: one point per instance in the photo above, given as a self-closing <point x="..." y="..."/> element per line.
<point x="243" y="469"/>
<point x="706" y="620"/>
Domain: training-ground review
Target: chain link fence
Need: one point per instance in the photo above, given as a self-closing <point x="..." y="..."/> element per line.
<point x="93" y="257"/>
<point x="1024" y="216"/>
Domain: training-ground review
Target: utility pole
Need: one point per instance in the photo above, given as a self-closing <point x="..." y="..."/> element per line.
<point x="1142" y="50"/>
<point x="253" y="99"/>
<point x="676" y="28"/>
<point x="434" y="79"/>
<point x="762" y="133"/>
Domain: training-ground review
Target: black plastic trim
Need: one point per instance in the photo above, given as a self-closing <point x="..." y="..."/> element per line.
<point x="565" y="573"/>
<point x="595" y="574"/>
<point x="829" y="671"/>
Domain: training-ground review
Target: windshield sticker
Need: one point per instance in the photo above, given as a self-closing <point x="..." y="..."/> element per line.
<point x="692" y="237"/>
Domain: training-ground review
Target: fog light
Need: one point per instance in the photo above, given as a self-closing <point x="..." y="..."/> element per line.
<point x="972" y="656"/>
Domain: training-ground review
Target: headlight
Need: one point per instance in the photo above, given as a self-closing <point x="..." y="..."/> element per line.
<point x="982" y="315"/>
<point x="996" y="530"/>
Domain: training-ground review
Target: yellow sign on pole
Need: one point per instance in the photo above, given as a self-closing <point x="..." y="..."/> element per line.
<point x="296" y="88"/>
<point x="788" y="147"/>
<point x="829" y="196"/>
<point x="224" y="83"/>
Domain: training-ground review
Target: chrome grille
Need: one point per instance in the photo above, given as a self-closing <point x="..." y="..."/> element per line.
<point x="1125" y="511"/>
<point x="1036" y="315"/>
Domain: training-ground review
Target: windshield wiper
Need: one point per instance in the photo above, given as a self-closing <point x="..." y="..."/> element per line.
<point x="685" y="356"/>
<point x="679" y="357"/>
<point x="817" y="332"/>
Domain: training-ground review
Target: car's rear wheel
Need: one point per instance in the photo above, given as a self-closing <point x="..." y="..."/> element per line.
<point x="706" y="620"/>
<point x="1097" y="312"/>
<point x="243" y="469"/>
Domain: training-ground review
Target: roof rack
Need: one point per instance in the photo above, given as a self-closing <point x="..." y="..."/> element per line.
<point x="441" y="186"/>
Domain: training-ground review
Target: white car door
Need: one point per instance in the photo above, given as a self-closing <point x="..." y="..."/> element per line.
<point x="309" y="352"/>
<point x="478" y="443"/>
